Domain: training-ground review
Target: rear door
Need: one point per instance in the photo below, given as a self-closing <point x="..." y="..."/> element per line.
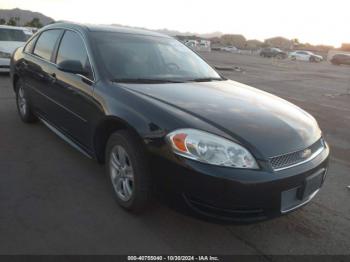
<point x="40" y="70"/>
<point x="305" y="56"/>
<point x="299" y="55"/>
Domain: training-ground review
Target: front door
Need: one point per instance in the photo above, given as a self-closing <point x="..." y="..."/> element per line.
<point x="73" y="90"/>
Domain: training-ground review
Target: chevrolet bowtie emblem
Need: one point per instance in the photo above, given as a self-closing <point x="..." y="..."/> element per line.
<point x="305" y="154"/>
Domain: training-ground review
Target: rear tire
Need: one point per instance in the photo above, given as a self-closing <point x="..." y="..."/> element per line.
<point x="127" y="168"/>
<point x="23" y="105"/>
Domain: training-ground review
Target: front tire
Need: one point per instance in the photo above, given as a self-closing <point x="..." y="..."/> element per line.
<point x="127" y="168"/>
<point x="23" y="106"/>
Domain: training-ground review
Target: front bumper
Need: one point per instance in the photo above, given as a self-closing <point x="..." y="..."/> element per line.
<point x="4" y="64"/>
<point x="240" y="194"/>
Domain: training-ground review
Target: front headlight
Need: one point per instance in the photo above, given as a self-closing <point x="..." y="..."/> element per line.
<point x="211" y="149"/>
<point x="4" y="55"/>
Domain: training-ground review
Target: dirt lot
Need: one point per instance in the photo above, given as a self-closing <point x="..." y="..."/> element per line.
<point x="53" y="200"/>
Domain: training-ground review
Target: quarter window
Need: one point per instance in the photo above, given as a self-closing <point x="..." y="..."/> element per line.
<point x="46" y="43"/>
<point x="29" y="47"/>
<point x="72" y="48"/>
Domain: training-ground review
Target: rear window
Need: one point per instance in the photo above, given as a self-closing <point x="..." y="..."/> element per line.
<point x="46" y="43"/>
<point x="12" y="35"/>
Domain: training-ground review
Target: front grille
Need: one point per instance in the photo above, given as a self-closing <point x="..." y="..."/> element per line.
<point x="301" y="156"/>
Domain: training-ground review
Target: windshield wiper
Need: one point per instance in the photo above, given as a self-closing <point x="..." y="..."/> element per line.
<point x="145" y="80"/>
<point x="205" y="79"/>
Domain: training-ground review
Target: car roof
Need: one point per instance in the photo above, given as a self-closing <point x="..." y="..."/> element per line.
<point x="104" y="28"/>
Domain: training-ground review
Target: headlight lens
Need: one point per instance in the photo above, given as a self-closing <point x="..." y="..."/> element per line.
<point x="5" y="55"/>
<point x="210" y="149"/>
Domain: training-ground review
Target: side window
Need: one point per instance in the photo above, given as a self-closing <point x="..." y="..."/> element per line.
<point x="46" y="43"/>
<point x="30" y="46"/>
<point x="72" y="48"/>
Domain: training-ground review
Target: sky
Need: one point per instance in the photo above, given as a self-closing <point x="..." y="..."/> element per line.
<point x="313" y="21"/>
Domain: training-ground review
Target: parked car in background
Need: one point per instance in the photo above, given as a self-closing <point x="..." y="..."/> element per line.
<point x="10" y="39"/>
<point x="273" y="52"/>
<point x="229" y="49"/>
<point x="341" y="59"/>
<point x="191" y="43"/>
<point x="28" y="32"/>
<point x="305" y="56"/>
<point x="160" y="117"/>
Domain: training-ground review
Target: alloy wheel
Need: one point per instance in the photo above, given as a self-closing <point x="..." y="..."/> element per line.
<point x="121" y="173"/>
<point x="22" y="101"/>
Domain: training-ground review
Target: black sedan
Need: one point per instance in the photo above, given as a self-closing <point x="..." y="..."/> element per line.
<point x="160" y="117"/>
<point x="273" y="52"/>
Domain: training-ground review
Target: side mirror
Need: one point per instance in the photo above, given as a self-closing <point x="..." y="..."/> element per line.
<point x="71" y="66"/>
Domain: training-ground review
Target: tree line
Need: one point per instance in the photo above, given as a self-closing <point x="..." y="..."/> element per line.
<point x="15" y="21"/>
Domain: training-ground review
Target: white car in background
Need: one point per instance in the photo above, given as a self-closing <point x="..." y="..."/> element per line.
<point x="305" y="56"/>
<point x="229" y="49"/>
<point x="11" y="38"/>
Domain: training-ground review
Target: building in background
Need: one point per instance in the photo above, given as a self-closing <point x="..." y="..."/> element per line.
<point x="279" y="42"/>
<point x="238" y="41"/>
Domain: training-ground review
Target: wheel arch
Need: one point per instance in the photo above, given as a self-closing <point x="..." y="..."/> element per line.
<point x="15" y="79"/>
<point x="105" y="128"/>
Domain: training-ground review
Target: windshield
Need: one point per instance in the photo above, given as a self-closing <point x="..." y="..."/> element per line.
<point x="12" y="35"/>
<point x="128" y="57"/>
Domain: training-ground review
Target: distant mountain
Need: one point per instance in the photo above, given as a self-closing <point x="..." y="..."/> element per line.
<point x="24" y="16"/>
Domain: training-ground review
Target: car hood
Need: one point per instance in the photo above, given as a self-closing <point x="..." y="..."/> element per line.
<point x="10" y="46"/>
<point x="266" y="122"/>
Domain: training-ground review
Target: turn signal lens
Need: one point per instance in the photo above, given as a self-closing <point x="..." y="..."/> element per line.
<point x="179" y="142"/>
